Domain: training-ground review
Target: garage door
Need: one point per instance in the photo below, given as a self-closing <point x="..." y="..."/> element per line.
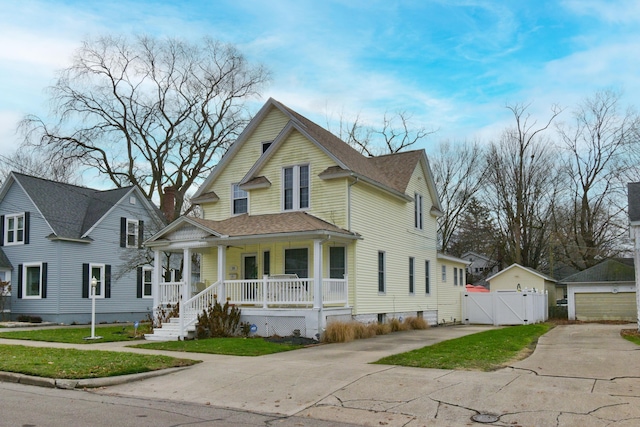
<point x="606" y="306"/>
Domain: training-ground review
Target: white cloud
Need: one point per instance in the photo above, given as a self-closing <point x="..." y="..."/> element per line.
<point x="617" y="12"/>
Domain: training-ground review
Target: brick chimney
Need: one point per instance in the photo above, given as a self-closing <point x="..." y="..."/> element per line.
<point x="169" y="203"/>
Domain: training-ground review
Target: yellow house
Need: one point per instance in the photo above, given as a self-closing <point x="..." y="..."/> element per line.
<point x="299" y="229"/>
<point x="516" y="277"/>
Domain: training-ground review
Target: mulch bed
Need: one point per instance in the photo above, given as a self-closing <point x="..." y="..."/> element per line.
<point x="292" y="340"/>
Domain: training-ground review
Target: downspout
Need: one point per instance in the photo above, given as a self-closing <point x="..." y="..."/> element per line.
<point x="352" y="274"/>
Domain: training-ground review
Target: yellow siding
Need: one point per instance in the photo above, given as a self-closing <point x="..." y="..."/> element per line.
<point x="243" y="160"/>
<point x="509" y="280"/>
<point x="450" y="293"/>
<point x="387" y="224"/>
<point x="327" y="197"/>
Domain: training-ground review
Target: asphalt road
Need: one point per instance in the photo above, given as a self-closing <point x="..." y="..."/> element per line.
<point x="30" y="406"/>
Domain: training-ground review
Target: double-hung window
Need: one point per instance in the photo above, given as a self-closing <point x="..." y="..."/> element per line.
<point x="417" y="211"/>
<point x="147" y="282"/>
<point x="295" y="188"/>
<point x="412" y="275"/>
<point x="96" y="271"/>
<point x="455" y="276"/>
<point x="427" y="281"/>
<point x="131" y="233"/>
<point x="32" y="280"/>
<point x="296" y="261"/>
<point x="14" y="229"/>
<point x="381" y="272"/>
<point x="444" y="273"/>
<point x="240" y="200"/>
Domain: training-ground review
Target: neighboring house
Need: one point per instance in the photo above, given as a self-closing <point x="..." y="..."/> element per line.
<point x="605" y="291"/>
<point x="300" y="229"/>
<point x="58" y="236"/>
<point x="480" y="266"/>
<point x="516" y="277"/>
<point x="5" y="285"/>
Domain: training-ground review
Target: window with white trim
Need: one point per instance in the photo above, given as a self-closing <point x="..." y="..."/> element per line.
<point x="417" y="211"/>
<point x="295" y="187"/>
<point x="97" y="271"/>
<point x="240" y="200"/>
<point x="32" y="280"/>
<point x="455" y="276"/>
<point x="14" y="228"/>
<point x="132" y="233"/>
<point x="296" y="261"/>
<point x="427" y="280"/>
<point x="412" y="272"/>
<point x="381" y="272"/>
<point x="444" y="273"/>
<point x="147" y="282"/>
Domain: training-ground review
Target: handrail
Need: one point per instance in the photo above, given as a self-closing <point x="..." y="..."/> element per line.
<point x="194" y="306"/>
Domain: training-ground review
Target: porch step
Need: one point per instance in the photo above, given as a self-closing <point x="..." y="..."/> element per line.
<point x="169" y="331"/>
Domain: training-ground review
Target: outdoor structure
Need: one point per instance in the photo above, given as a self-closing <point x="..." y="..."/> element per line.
<point x="300" y="229"/>
<point x="605" y="291"/>
<point x="505" y="307"/>
<point x="634" y="222"/>
<point x="516" y="277"/>
<point x="56" y="237"/>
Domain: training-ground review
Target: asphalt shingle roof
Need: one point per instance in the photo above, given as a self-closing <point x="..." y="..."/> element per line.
<point x="610" y="270"/>
<point x="69" y="209"/>
<point x="288" y="222"/>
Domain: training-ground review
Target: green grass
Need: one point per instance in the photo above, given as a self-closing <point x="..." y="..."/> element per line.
<point x="632" y="335"/>
<point x="229" y="346"/>
<point x="75" y="335"/>
<point x="77" y="364"/>
<point x="484" y="351"/>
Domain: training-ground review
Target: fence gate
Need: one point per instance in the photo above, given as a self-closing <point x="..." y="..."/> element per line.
<point x="504" y="307"/>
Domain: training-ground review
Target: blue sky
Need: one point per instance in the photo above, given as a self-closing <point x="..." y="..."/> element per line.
<point x="453" y="65"/>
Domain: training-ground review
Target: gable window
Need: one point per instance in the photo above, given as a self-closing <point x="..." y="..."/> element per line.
<point x="240" y="200"/>
<point x="32" y="280"/>
<point x="131" y="233"/>
<point x="411" y="275"/>
<point x="427" y="281"/>
<point x="296" y="261"/>
<point x="381" y="272"/>
<point x="16" y="229"/>
<point x="102" y="274"/>
<point x="337" y="262"/>
<point x="417" y="211"/>
<point x="295" y="186"/>
<point x="444" y="273"/>
<point x="266" y="145"/>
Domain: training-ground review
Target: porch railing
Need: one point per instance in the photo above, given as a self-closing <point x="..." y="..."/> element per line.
<point x="264" y="292"/>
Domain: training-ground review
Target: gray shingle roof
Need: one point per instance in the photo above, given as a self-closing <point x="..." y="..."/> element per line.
<point x="69" y="209"/>
<point x="611" y="270"/>
<point x="4" y="261"/>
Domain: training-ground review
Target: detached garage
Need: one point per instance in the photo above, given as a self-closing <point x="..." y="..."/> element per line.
<point x="603" y="292"/>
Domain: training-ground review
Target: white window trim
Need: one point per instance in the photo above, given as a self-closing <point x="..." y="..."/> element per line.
<point x="233" y="199"/>
<point x="136" y="224"/>
<point x="384" y="272"/>
<point x="24" y="280"/>
<point x="296" y="188"/>
<point x="412" y="275"/>
<point x="6" y="229"/>
<point x="427" y="276"/>
<point x="144" y="270"/>
<point x="444" y="274"/>
<point x="100" y="279"/>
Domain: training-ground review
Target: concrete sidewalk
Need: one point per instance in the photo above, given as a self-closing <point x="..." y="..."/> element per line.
<point x="579" y="375"/>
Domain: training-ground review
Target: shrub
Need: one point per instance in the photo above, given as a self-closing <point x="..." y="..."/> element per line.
<point x="416" y="323"/>
<point x="362" y="331"/>
<point x="382" y="328"/>
<point x="29" y="319"/>
<point x="218" y="321"/>
<point x="339" y="332"/>
<point x="396" y="325"/>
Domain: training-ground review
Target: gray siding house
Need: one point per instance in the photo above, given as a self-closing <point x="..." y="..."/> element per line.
<point x="57" y="237"/>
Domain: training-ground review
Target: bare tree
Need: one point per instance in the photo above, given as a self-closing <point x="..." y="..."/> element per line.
<point x="459" y="171"/>
<point x="522" y="187"/>
<point x="397" y="133"/>
<point x="146" y="111"/>
<point x="598" y="144"/>
<point x="36" y="163"/>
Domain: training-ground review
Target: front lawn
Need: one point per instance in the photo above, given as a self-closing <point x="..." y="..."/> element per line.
<point x="75" y="335"/>
<point x="632" y="335"/>
<point x="77" y="364"/>
<point x="229" y="346"/>
<point x="484" y="351"/>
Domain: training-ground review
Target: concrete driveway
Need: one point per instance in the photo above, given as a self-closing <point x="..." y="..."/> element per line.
<point x="579" y="375"/>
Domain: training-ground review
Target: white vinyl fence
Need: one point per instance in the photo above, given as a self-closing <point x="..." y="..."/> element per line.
<point x="504" y="307"/>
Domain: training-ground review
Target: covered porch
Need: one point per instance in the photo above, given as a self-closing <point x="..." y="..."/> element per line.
<point x="285" y="281"/>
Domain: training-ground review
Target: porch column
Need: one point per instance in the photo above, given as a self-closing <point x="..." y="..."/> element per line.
<point x="222" y="273"/>
<point x="186" y="274"/>
<point x="155" y="283"/>
<point x="317" y="274"/>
